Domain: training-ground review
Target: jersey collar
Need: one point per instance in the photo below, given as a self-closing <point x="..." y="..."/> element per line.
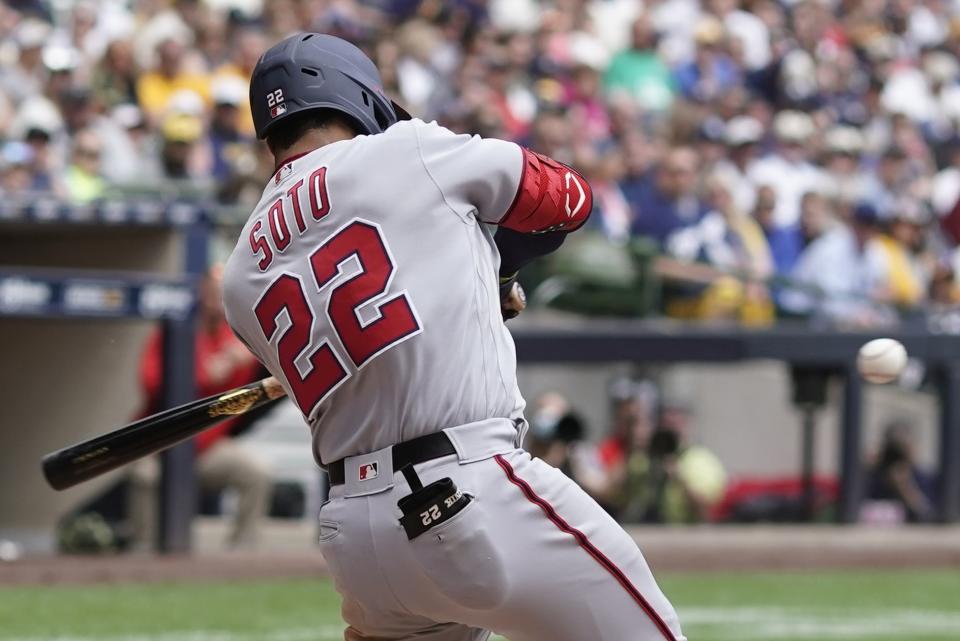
<point x="287" y="160"/>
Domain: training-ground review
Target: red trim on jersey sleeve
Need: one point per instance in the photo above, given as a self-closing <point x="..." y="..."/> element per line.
<point x="551" y="197"/>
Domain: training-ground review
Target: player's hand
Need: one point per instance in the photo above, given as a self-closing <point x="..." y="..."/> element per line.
<point x="513" y="300"/>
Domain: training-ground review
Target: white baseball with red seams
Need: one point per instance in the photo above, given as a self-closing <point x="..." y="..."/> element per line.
<point x="882" y="360"/>
<point x="366" y="281"/>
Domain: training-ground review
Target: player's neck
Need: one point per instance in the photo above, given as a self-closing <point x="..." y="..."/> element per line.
<point x="313" y="139"/>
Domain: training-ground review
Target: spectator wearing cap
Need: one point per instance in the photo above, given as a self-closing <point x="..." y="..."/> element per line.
<point x="84" y="181"/>
<point x="25" y="77"/>
<point x="155" y="88"/>
<point x="788" y="168"/>
<point x="891" y="178"/>
<point x="183" y="159"/>
<point x="712" y="72"/>
<point x="226" y="139"/>
<point x="144" y="168"/>
<point x="843" y="146"/>
<point x="118" y="157"/>
<point x="639" y="72"/>
<point x="844" y="274"/>
<point x="741" y="136"/>
<point x="667" y="198"/>
<point x="908" y="266"/>
<point x="45" y="172"/>
<point x="709" y="143"/>
<point x="249" y="44"/>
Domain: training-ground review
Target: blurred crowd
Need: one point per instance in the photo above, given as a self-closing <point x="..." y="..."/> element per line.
<point x="647" y="468"/>
<point x="648" y="465"/>
<point x="807" y="147"/>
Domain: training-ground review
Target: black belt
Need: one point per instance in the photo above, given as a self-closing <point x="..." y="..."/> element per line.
<point x="418" y="450"/>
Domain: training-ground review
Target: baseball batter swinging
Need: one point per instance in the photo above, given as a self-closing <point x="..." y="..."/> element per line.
<point x="369" y="280"/>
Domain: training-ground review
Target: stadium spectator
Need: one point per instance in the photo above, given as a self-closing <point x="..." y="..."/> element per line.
<point x="859" y="99"/>
<point x="895" y="475"/>
<point x="785" y="243"/>
<point x="731" y="241"/>
<point x="639" y="73"/>
<point x="249" y="45"/>
<point x="157" y="87"/>
<point x="557" y="436"/>
<point x="844" y="273"/>
<point x="712" y="71"/>
<point x="672" y="480"/>
<point x="15" y="175"/>
<point x="741" y="135"/>
<point x="222" y="363"/>
<point x="633" y="404"/>
<point x="83" y="178"/>
<point x="908" y="266"/>
<point x="788" y="168"/>
<point x="114" y="81"/>
<point x="611" y="211"/>
<point x="667" y="198"/>
<point x="44" y="175"/>
<point x="24" y="77"/>
<point x="226" y="137"/>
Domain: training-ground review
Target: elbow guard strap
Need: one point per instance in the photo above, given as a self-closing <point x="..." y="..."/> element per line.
<point x="551" y="197"/>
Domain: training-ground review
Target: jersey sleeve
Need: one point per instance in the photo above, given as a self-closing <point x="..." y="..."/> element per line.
<point x="503" y="183"/>
<point x="474" y="174"/>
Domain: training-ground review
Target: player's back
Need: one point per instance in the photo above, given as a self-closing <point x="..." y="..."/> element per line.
<point x="371" y="292"/>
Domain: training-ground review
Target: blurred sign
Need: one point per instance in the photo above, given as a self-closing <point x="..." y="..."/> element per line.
<point x="93" y="298"/>
<point x="163" y="300"/>
<point x="18" y="295"/>
<point x="46" y="293"/>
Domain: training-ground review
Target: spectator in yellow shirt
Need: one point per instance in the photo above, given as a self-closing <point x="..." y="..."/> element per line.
<point x="908" y="265"/>
<point x="155" y="88"/>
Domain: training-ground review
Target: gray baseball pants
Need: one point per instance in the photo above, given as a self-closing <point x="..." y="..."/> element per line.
<point x="532" y="557"/>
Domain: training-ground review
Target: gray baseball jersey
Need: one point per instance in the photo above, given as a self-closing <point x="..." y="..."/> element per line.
<point x="366" y="280"/>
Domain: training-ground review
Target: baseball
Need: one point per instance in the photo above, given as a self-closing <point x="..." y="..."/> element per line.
<point x="881" y="360"/>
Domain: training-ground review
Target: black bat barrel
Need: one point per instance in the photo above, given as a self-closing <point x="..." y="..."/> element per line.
<point x="72" y="465"/>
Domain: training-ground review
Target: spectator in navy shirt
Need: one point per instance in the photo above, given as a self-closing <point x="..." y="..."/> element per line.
<point x="712" y="72"/>
<point x="786" y="243"/>
<point x="666" y="199"/>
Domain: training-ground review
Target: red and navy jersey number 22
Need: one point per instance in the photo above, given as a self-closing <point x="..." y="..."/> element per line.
<point x="314" y="370"/>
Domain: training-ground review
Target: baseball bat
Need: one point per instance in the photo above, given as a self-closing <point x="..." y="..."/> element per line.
<point x="85" y="460"/>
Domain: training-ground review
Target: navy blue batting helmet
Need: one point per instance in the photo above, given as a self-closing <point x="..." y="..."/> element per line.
<point x="317" y="71"/>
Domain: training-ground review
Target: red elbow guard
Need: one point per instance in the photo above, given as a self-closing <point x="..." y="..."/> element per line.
<point x="551" y="197"/>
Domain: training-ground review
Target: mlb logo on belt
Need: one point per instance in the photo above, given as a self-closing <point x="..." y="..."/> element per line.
<point x="369" y="471"/>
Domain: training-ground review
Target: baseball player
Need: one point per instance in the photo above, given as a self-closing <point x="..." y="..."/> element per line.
<point x="370" y="280"/>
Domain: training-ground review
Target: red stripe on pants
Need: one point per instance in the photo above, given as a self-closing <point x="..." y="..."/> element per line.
<point x="589" y="547"/>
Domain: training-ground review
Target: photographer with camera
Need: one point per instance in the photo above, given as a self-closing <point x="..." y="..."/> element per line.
<point x="671" y="480"/>
<point x="896" y="477"/>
